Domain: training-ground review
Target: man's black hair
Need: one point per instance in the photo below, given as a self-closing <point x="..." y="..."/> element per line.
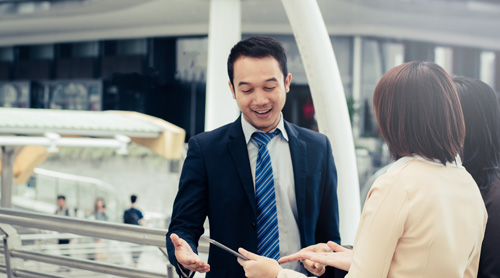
<point x="257" y="47"/>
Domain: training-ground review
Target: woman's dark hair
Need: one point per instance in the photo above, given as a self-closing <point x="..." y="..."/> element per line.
<point x="257" y="47"/>
<point x="481" y="152"/>
<point x="418" y="111"/>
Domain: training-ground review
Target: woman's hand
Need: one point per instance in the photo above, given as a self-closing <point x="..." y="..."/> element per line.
<point x="258" y="266"/>
<point x="314" y="267"/>
<point x="340" y="257"/>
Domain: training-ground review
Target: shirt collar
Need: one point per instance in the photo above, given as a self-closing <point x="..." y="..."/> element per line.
<point x="403" y="160"/>
<point x="249" y="129"/>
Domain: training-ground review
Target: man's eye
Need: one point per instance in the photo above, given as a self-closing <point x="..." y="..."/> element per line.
<point x="247" y="91"/>
<point x="269" y="88"/>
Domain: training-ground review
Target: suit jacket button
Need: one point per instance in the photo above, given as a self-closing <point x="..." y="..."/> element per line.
<point x="254" y="225"/>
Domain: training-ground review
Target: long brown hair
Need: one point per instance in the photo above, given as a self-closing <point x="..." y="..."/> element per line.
<point x="481" y="152"/>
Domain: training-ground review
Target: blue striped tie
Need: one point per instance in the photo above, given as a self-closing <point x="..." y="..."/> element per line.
<point x="267" y="217"/>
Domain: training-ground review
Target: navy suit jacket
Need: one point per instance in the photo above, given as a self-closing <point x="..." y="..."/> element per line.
<point x="216" y="181"/>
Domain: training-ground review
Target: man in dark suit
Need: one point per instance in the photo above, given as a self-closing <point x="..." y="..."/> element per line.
<point x="265" y="184"/>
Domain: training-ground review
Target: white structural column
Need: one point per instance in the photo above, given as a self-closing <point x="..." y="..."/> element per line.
<point x="330" y="105"/>
<point x="224" y="32"/>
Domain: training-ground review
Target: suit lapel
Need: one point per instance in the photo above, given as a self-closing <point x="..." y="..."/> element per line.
<point x="298" y="153"/>
<point x="239" y="152"/>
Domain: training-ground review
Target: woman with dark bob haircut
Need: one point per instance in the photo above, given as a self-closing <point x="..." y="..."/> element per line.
<point x="425" y="216"/>
<point x="481" y="158"/>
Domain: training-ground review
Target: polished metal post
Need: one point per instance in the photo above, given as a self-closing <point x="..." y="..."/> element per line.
<point x="11" y="240"/>
<point x="8" y="157"/>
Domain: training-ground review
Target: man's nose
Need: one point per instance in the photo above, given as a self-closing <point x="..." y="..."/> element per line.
<point x="260" y="98"/>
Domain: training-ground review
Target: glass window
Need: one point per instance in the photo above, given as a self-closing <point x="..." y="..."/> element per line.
<point x="342" y="46"/>
<point x="6" y="54"/>
<point x="371" y="72"/>
<point x="42" y="52"/>
<point x="487" y="69"/>
<point x="192" y="57"/>
<point x="132" y="47"/>
<point x="443" y="56"/>
<point x="85" y="49"/>
<point x="467" y="62"/>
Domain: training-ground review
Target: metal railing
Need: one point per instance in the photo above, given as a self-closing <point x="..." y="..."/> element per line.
<point x="15" y="255"/>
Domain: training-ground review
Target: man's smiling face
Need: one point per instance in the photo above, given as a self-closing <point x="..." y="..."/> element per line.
<point x="260" y="90"/>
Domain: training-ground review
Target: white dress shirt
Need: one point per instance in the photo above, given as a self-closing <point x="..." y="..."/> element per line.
<point x="284" y="185"/>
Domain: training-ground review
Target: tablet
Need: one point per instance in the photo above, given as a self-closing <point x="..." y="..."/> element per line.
<point x="225" y="248"/>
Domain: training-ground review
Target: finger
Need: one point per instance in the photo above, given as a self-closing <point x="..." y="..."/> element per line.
<point x="195" y="264"/>
<point x="320" y="247"/>
<point x="176" y="240"/>
<point x="308" y="264"/>
<point x="319" y="258"/>
<point x="248" y="254"/>
<point x="294" y="257"/>
<point x="335" y="247"/>
<point x="200" y="268"/>
<point x="203" y="267"/>
<point x="241" y="262"/>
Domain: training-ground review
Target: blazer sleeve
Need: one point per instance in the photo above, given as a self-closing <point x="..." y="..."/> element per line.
<point x="381" y="225"/>
<point x="190" y="205"/>
<point x="328" y="219"/>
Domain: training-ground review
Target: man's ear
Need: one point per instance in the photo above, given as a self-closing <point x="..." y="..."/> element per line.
<point x="288" y="80"/>
<point x="232" y="89"/>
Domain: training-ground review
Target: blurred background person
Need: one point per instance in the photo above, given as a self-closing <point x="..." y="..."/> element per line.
<point x="100" y="210"/>
<point x="63" y="210"/>
<point x="99" y="214"/>
<point x="134" y="216"/>
<point x="481" y="157"/>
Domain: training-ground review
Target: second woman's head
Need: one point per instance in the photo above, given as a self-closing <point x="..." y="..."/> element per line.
<point x="418" y="112"/>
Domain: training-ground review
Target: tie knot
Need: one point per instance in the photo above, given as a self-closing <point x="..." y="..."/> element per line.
<point x="263" y="138"/>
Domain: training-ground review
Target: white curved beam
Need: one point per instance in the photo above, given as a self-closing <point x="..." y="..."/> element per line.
<point x="330" y="104"/>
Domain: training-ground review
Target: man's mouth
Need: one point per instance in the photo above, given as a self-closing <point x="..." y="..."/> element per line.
<point x="262" y="112"/>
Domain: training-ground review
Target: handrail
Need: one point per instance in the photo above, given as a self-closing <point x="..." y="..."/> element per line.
<point x="82" y="227"/>
<point x="100" y="229"/>
<point x="84" y="264"/>
<point x="32" y="274"/>
<point x="114" y="231"/>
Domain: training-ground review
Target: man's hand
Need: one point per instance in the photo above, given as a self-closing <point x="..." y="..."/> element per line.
<point x="186" y="257"/>
<point x="340" y="258"/>
<point x="258" y="266"/>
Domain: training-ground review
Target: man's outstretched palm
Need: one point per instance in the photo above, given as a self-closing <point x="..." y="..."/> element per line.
<point x="186" y="257"/>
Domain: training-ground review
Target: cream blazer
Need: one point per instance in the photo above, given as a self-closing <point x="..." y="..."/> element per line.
<point x="420" y="219"/>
